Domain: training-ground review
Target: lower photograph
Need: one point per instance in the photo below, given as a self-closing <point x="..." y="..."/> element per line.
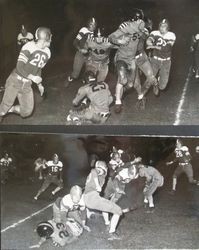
<point x="99" y="192"/>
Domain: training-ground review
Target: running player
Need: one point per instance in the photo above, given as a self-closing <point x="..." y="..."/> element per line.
<point x="54" y="176"/>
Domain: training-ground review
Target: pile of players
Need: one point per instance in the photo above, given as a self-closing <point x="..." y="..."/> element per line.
<point x="140" y="50"/>
<point x="104" y="187"/>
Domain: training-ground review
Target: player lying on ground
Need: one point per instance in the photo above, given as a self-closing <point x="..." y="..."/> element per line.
<point x="183" y="158"/>
<point x="66" y="225"/>
<point x="82" y="51"/>
<point x="32" y="58"/>
<point x="54" y="170"/>
<point x="72" y="206"/>
<point x="94" y="201"/>
<point x="153" y="180"/>
<point x="100" y="99"/>
<point x="195" y="50"/>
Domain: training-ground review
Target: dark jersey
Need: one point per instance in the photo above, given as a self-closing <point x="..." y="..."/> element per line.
<point x="32" y="59"/>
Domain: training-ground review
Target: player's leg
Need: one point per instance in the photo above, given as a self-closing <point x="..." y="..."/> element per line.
<point x="150" y="191"/>
<point x="164" y="74"/>
<point x="178" y="171"/>
<point x="189" y="173"/>
<point x="26" y="101"/>
<point x="196" y="57"/>
<point x="103" y="72"/>
<point x="11" y="90"/>
<point x="43" y="188"/>
<point x="59" y="184"/>
<point x="57" y="216"/>
<point x="122" y="80"/>
<point x="78" y="63"/>
<point x="146" y="67"/>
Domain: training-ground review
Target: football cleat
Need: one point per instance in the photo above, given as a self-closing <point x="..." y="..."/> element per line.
<point x="150" y="210"/>
<point x="118" y="108"/>
<point x="141" y="104"/>
<point x="114" y="236"/>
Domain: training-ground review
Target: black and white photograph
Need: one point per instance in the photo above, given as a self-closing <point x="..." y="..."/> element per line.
<point x="99" y="192"/>
<point x="104" y="62"/>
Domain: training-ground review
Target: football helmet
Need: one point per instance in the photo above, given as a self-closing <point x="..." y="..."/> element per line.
<point x="76" y="193"/>
<point x="101" y="167"/>
<point x="90" y="77"/>
<point x="45" y="229"/>
<point x="92" y="24"/>
<point x="43" y="33"/>
<point x="137" y="14"/>
<point x="164" y="22"/>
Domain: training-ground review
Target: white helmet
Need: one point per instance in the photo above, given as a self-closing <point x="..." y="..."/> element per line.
<point x="184" y="148"/>
<point x="101" y="165"/>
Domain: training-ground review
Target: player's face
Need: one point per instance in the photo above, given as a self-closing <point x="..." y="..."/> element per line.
<point x="99" y="39"/>
<point x="117" y="157"/>
<point x="76" y="198"/>
<point x="46" y="44"/>
<point x="163" y="28"/>
<point x="100" y="171"/>
<point x="141" y="172"/>
<point x="55" y="159"/>
<point x="92" y="27"/>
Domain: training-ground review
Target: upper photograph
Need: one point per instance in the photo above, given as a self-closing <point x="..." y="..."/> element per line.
<point x="99" y="62"/>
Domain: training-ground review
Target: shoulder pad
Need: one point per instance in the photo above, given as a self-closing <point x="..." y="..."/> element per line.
<point x="84" y="30"/>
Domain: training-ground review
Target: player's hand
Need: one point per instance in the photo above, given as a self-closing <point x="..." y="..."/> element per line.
<point x="99" y="189"/>
<point x="157" y="47"/>
<point x="169" y="163"/>
<point x="35" y="79"/>
<point x="41" y="89"/>
<point x="124" y="40"/>
<point x="83" y="51"/>
<point x="87" y="228"/>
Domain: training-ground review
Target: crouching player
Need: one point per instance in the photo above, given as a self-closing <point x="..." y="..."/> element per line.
<point x="94" y="201"/>
<point x="100" y="98"/>
<point x="153" y="180"/>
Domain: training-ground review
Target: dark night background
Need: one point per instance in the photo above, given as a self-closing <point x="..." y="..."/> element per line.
<point x="66" y="17"/>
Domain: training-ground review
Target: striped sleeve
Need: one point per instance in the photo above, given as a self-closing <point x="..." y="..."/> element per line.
<point x="24" y="54"/>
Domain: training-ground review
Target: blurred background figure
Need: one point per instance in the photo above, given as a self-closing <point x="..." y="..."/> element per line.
<point x="6" y="167"/>
<point x="195" y="50"/>
<point x="24" y="36"/>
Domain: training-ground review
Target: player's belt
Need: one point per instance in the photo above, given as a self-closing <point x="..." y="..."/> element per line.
<point x="104" y="114"/>
<point x="162" y="59"/>
<point x="139" y="55"/>
<point x="22" y="78"/>
<point x="183" y="164"/>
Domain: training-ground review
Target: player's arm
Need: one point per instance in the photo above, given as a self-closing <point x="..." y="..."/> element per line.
<point x="110" y="97"/>
<point x="118" y="37"/>
<point x="81" y="94"/>
<point x="96" y="180"/>
<point x="150" y="42"/>
<point x="19" y="37"/>
<point x="61" y="171"/>
<point x="80" y="41"/>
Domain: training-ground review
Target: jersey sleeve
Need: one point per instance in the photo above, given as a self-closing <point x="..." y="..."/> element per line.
<point x="23" y="59"/>
<point x="82" y="92"/>
<point x="81" y="38"/>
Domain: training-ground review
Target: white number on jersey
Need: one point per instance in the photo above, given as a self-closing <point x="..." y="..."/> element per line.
<point x="38" y="61"/>
<point x="161" y="42"/>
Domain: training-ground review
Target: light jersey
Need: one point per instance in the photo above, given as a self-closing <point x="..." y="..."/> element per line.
<point x="34" y="59"/>
<point x="82" y="36"/>
<point x="123" y="175"/>
<point x="98" y="94"/>
<point x="60" y="234"/>
<point x="90" y="183"/>
<point x="54" y="168"/>
<point x="68" y="205"/>
<point x="153" y="173"/>
<point x="162" y="40"/>
<point x="24" y="39"/>
<point x="133" y="30"/>
<point x="182" y="157"/>
<point x="99" y="52"/>
<point x="5" y="162"/>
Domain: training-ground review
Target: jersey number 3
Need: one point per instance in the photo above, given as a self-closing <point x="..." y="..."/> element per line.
<point x="39" y="60"/>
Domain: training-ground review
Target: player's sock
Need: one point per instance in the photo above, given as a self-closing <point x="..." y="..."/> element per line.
<point x="106" y="218"/>
<point x="174" y="184"/>
<point x="114" y="222"/>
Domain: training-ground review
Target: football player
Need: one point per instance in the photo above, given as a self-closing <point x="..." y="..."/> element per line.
<point x="115" y="187"/>
<point x="195" y="50"/>
<point x="32" y="58"/>
<point x="71" y="206"/>
<point x="153" y="180"/>
<point x="94" y="201"/>
<point x="183" y="158"/>
<point x="60" y="233"/>
<point x="39" y="164"/>
<point x="5" y="164"/>
<point x="161" y="42"/>
<point x="54" y="176"/>
<point x="127" y="38"/>
<point x="24" y="36"/>
<point x="100" y="98"/>
<point x="82" y="52"/>
<point x="115" y="162"/>
<point x="99" y="49"/>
